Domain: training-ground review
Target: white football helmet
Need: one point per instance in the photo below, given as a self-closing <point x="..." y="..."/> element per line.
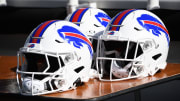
<point x="135" y="44"/>
<point x="56" y="56"/>
<point x="93" y="21"/>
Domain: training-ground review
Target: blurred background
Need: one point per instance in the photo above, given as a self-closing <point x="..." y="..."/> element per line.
<point x="19" y="17"/>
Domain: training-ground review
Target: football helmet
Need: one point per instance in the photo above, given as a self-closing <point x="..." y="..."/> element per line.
<point x="93" y="21"/>
<point x="134" y="44"/>
<point x="57" y="56"/>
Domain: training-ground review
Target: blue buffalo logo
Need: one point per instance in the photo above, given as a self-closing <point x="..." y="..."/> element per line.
<point x="103" y="18"/>
<point x="151" y="23"/>
<point x="72" y="35"/>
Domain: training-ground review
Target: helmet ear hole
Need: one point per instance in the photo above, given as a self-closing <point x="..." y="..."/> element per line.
<point x="97" y="25"/>
<point x="137" y="29"/>
<point x="58" y="41"/>
<point x="77" y="70"/>
<point x="155" y="57"/>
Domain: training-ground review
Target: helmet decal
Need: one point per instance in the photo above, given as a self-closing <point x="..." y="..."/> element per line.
<point x="39" y="31"/>
<point x="31" y="45"/>
<point x="72" y="35"/>
<point x="119" y="19"/>
<point x="151" y="23"/>
<point x="77" y="15"/>
<point x="111" y="33"/>
<point x="103" y="18"/>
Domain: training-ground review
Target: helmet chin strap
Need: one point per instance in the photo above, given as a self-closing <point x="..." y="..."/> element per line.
<point x="34" y="86"/>
<point x="120" y="72"/>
